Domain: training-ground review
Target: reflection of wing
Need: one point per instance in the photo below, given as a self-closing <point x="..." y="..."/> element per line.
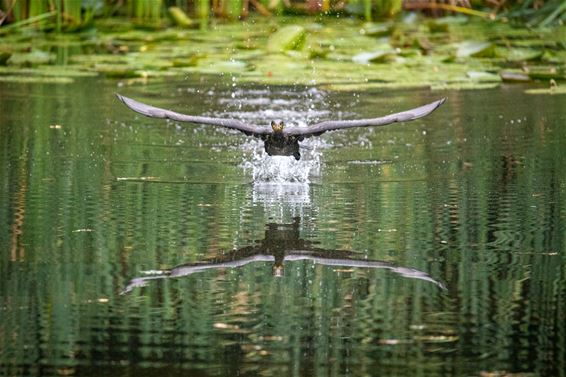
<point x="185" y="270"/>
<point x="156" y="112"/>
<point x="361" y="263"/>
<point x="331" y="125"/>
<point x="188" y="269"/>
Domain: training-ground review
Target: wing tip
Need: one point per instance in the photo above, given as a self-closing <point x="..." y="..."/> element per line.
<point x="431" y="107"/>
<point x="141" y="108"/>
<point x="125" y="100"/>
<point x="120" y="97"/>
<point x="436" y="104"/>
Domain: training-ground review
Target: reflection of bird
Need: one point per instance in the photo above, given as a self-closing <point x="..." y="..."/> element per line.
<point x="281" y="244"/>
<point x="279" y="140"/>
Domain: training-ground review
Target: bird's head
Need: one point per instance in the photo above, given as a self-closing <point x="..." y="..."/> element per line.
<point x="278" y="270"/>
<point x="277" y="126"/>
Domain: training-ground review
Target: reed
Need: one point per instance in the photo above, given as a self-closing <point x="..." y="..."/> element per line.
<point x="203" y="13"/>
<point x="367" y="10"/>
<point x="36" y="8"/>
<point x="145" y="10"/>
<point x="73" y="14"/>
<point x="59" y="17"/>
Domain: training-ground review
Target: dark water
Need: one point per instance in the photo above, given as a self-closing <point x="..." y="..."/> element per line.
<point x="432" y="248"/>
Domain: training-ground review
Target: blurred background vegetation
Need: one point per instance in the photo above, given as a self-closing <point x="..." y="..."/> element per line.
<point x="73" y="15"/>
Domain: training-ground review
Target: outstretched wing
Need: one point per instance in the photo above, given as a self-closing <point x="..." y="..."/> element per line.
<point x="331" y="125"/>
<point x="156" y="112"/>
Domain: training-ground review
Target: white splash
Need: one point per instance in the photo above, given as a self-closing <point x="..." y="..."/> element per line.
<point x="284" y="169"/>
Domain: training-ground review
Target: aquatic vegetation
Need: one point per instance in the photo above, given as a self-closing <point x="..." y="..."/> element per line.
<point x="476" y="49"/>
<point x="551" y="90"/>
<point x="345" y="54"/>
<point x="290" y="37"/>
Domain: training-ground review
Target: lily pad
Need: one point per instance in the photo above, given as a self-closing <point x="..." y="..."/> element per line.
<point x="317" y="52"/>
<point x="546" y="73"/>
<point x="480" y="76"/>
<point x="48" y="71"/>
<point x="380" y="56"/>
<point x="552" y="90"/>
<point x="376" y="30"/>
<point x="232" y="66"/>
<point x="36" y="79"/>
<point x="28" y="59"/>
<point x="117" y="71"/>
<point x="290" y="37"/>
<point x="476" y="49"/>
<point x="521" y="54"/>
<point x="512" y="76"/>
<point x="187" y="61"/>
<point x="464" y="86"/>
<point x="180" y="17"/>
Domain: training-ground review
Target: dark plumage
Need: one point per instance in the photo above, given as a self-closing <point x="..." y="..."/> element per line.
<point x="281" y="141"/>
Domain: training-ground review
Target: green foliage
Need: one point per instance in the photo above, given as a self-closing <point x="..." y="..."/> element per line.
<point x="374" y="8"/>
<point x="145" y="10"/>
<point x="537" y="13"/>
<point x="71" y="15"/>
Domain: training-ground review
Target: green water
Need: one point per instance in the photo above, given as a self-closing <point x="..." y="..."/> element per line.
<point x="464" y="211"/>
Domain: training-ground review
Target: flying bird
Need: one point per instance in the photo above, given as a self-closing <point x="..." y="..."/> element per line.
<point x="278" y="139"/>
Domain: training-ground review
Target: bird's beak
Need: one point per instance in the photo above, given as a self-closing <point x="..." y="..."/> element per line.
<point x="277" y="127"/>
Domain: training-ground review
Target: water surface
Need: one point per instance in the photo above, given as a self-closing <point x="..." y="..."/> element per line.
<point x="107" y="219"/>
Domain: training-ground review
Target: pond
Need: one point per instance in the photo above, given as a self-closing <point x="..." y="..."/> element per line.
<point x="137" y="246"/>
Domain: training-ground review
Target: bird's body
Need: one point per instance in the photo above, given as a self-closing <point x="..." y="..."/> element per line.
<point x="277" y="144"/>
<point x="278" y="139"/>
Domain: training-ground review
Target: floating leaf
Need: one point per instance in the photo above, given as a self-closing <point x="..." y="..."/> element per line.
<point x="180" y="17"/>
<point x="290" y="37"/>
<point x="36" y="79"/>
<point x="231" y="66"/>
<point x="511" y="76"/>
<point x="520" y="54"/>
<point x="376" y="30"/>
<point x="546" y="73"/>
<point x="187" y="61"/>
<point x="380" y="56"/>
<point x="464" y="86"/>
<point x="316" y="51"/>
<point x="551" y="90"/>
<point x="475" y="49"/>
<point x="36" y="57"/>
<point x="483" y="76"/>
<point x="118" y="71"/>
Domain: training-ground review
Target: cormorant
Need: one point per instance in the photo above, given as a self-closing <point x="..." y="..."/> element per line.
<point x="278" y="139"/>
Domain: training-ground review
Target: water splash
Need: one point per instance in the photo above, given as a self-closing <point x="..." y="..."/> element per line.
<point x="283" y="169"/>
<point x="297" y="109"/>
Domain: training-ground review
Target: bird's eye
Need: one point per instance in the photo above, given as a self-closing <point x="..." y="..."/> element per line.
<point x="272" y="123"/>
<point x="281" y="124"/>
